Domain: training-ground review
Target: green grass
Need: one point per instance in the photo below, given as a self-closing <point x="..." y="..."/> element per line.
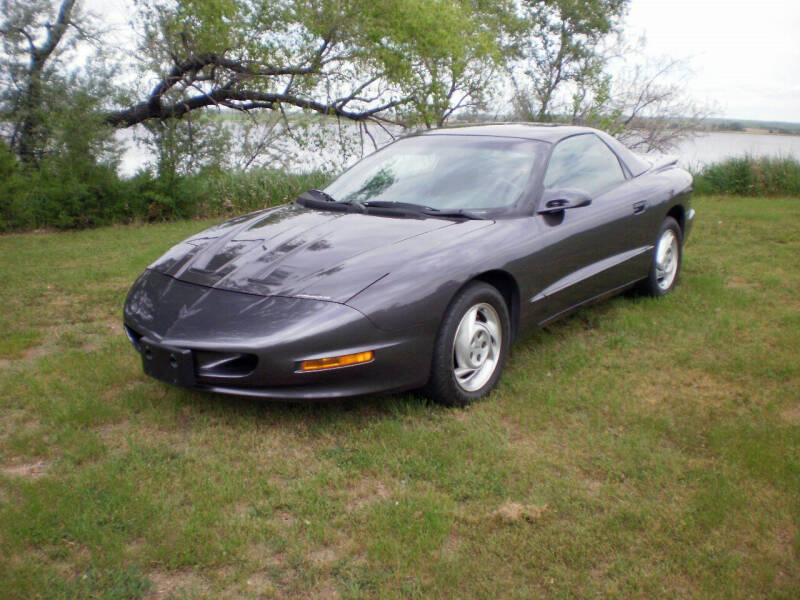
<point x="750" y="176"/>
<point x="641" y="448"/>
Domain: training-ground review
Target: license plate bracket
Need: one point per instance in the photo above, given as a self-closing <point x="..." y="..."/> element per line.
<point x="167" y="363"/>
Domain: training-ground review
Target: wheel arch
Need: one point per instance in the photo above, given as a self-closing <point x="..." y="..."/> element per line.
<point x="504" y="283"/>
<point x="678" y="213"/>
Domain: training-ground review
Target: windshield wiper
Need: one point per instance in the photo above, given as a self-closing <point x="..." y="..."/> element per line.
<point x="425" y="210"/>
<point x="357" y="204"/>
<point x="397" y="205"/>
<point x="454" y="212"/>
<point x="319" y="195"/>
<point x="320" y="199"/>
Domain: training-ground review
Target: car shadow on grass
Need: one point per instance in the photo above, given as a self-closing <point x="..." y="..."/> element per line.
<point x="314" y="416"/>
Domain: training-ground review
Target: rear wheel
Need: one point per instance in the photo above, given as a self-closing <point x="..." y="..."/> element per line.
<point x="666" y="264"/>
<point x="471" y="347"/>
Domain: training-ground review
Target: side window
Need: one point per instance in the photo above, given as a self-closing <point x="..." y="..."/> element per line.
<point x="583" y="162"/>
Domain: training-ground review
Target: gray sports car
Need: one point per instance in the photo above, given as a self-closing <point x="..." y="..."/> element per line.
<point x="416" y="268"/>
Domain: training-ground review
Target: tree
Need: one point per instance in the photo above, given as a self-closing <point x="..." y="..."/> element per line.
<point x="38" y="38"/>
<point x="354" y="59"/>
<point x="558" y="48"/>
<point x="644" y="102"/>
<point x="451" y="84"/>
<point x="360" y="60"/>
<point x="573" y="65"/>
<point x="469" y="76"/>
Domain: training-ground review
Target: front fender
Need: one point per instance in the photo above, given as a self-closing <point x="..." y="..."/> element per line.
<point x="418" y="292"/>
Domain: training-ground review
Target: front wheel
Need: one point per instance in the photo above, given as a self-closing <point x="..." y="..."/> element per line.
<point x="666" y="264"/>
<point x="471" y="347"/>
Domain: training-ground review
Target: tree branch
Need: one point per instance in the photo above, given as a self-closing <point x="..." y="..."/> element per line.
<point x="241" y="100"/>
<point x="55" y="32"/>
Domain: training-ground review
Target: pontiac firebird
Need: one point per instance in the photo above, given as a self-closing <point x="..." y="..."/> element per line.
<point x="415" y="269"/>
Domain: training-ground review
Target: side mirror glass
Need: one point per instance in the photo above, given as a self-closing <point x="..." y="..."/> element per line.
<point x="555" y="201"/>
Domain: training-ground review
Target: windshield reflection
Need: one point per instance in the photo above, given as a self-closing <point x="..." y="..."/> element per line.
<point x="446" y="172"/>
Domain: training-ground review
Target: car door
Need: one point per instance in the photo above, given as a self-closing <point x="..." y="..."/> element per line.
<point x="585" y="251"/>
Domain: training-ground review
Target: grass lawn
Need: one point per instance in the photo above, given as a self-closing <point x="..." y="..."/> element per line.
<point x="641" y="448"/>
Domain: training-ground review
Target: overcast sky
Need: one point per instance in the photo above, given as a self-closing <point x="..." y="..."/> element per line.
<point x="745" y="55"/>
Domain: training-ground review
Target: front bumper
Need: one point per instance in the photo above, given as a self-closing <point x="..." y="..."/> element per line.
<point x="257" y="343"/>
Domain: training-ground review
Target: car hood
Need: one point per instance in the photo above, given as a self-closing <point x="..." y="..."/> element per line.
<point x="300" y="252"/>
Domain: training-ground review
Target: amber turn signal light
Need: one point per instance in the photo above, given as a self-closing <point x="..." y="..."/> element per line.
<point x="333" y="362"/>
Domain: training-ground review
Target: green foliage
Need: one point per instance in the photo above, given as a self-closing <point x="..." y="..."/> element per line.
<point x="558" y="48"/>
<point x="52" y="79"/>
<point x="333" y="56"/>
<point x="189" y="145"/>
<point x="81" y="194"/>
<point x="750" y="176"/>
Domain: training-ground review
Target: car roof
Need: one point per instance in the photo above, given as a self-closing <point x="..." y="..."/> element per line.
<point x="551" y="133"/>
<point x="545" y="132"/>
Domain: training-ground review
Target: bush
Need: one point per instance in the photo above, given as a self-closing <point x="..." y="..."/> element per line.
<point x="750" y="176"/>
<point x="233" y="192"/>
<point x="74" y="194"/>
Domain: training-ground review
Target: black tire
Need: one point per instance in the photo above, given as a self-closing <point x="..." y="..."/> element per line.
<point x="443" y="386"/>
<point x="655" y="285"/>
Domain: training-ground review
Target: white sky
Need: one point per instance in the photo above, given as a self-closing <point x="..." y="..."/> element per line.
<point x="745" y="54"/>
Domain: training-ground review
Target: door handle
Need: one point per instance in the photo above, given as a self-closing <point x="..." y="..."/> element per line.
<point x="639" y="207"/>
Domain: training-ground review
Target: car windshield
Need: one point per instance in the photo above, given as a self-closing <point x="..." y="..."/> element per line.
<point x="444" y="172"/>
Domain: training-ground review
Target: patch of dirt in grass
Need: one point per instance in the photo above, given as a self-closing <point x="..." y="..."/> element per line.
<point x="695" y="386"/>
<point x="786" y="535"/>
<point x="185" y="418"/>
<point x="174" y="583"/>
<point x="64" y="337"/>
<point x="31" y="470"/>
<point x="599" y="572"/>
<point x="326" y="590"/>
<point x="451" y="547"/>
<point x="739" y="283"/>
<point x="241" y="510"/>
<point x="136" y="547"/>
<point x="261" y="584"/>
<point x="114" y="435"/>
<point x="513" y="512"/>
<point x="323" y="556"/>
<point x="365" y="492"/>
<point x="791" y="414"/>
<point x="30" y="355"/>
<point x="329" y="554"/>
<point x="284" y="517"/>
<point x="18" y="422"/>
<point x="262" y="555"/>
<point x="785" y="545"/>
<point x="593" y="486"/>
<point x="83" y="342"/>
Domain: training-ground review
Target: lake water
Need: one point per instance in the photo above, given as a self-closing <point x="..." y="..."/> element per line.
<point x="708" y="148"/>
<point x="694" y="152"/>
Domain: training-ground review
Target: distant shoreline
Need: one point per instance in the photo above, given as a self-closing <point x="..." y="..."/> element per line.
<point x="750" y="131"/>
<point x="750" y="126"/>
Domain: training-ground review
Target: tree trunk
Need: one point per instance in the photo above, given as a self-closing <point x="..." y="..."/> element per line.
<point x="30" y="133"/>
<point x="30" y="140"/>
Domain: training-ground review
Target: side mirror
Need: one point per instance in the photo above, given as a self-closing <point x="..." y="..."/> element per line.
<point x="554" y="201"/>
